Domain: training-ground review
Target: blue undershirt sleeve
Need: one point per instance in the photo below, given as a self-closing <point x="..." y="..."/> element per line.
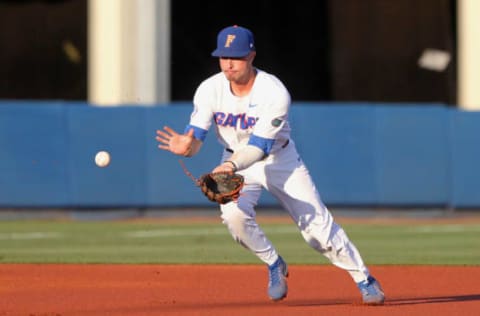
<point x="198" y="133"/>
<point x="265" y="144"/>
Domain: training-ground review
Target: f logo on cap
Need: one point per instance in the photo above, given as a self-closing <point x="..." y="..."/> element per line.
<point x="229" y="40"/>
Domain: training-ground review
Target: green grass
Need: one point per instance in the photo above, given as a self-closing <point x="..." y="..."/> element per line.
<point x="156" y="242"/>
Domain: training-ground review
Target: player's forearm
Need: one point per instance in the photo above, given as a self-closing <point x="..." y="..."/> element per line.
<point x="246" y="157"/>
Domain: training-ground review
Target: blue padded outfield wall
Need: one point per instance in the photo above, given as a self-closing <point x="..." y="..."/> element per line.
<point x="359" y="154"/>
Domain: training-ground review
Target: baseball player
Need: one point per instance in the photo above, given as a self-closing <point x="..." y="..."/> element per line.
<point x="249" y="110"/>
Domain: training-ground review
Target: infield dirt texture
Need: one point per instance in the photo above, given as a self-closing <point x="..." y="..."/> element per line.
<point x="156" y="289"/>
<point x="87" y="290"/>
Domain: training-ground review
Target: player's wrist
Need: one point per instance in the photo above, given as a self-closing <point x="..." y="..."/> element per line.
<point x="232" y="164"/>
<point x="188" y="152"/>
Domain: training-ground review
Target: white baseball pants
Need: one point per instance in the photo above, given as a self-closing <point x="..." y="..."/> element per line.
<point x="286" y="177"/>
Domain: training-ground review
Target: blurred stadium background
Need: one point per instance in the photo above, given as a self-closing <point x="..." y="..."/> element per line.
<point x="385" y="106"/>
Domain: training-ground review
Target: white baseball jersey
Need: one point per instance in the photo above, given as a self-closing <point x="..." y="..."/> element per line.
<point x="260" y="118"/>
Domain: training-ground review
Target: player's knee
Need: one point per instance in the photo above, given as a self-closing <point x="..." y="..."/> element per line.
<point x="316" y="243"/>
<point x="236" y="223"/>
<point x="235" y="220"/>
<point x="233" y="217"/>
<point x="237" y="212"/>
<point x="311" y="241"/>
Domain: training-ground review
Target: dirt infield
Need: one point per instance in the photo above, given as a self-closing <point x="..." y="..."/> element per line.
<point x="60" y="290"/>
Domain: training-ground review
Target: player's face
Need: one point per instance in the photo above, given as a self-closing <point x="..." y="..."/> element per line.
<point x="237" y="70"/>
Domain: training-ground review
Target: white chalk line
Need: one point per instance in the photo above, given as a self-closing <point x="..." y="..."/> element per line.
<point x="169" y="232"/>
<point x="29" y="235"/>
<point x="444" y="229"/>
<point x="430" y="229"/>
<point x="197" y="232"/>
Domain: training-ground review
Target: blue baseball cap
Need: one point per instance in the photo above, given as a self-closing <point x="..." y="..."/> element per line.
<point x="234" y="41"/>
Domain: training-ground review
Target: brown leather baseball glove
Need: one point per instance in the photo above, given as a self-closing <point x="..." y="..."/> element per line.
<point x="220" y="187"/>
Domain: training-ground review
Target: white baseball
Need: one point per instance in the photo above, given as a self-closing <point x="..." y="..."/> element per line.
<point x="102" y="159"/>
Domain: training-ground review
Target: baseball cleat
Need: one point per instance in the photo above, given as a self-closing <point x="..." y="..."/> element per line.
<point x="277" y="280"/>
<point x="372" y="293"/>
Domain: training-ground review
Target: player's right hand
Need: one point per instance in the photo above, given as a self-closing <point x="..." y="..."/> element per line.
<point x="179" y="144"/>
